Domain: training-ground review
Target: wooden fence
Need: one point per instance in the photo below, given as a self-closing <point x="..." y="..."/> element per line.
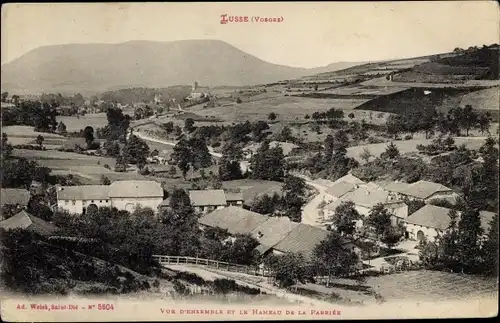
<point x="220" y="265"/>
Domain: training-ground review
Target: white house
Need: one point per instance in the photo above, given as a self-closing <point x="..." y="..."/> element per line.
<point x="205" y="201"/>
<point x="124" y="195"/>
<point x="431" y="221"/>
<point x="421" y="190"/>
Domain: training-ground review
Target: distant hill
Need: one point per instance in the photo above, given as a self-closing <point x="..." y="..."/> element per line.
<point x="90" y="68"/>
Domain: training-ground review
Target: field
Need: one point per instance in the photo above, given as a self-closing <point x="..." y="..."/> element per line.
<point x="251" y="188"/>
<point x="408" y="146"/>
<point x="287" y="108"/>
<point x="73" y="123"/>
<point x="488" y="99"/>
<point x="422" y="285"/>
<point x="382" y="81"/>
<point x="23" y="135"/>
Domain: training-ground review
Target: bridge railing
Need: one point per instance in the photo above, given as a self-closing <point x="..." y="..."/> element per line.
<point x="221" y="265"/>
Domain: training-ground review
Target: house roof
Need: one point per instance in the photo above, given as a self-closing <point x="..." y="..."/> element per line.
<point x="323" y="182"/>
<point x="207" y="197"/>
<point x="234" y="219"/>
<point x="83" y="192"/>
<point x="272" y="231"/>
<point x="437" y="217"/>
<point x="367" y="197"/>
<point x="302" y="239"/>
<point x="14" y="196"/>
<point x="424" y="189"/>
<point x="135" y="188"/>
<point x="332" y="206"/>
<point x="340" y="188"/>
<point x="234" y="196"/>
<point x="26" y="221"/>
<point x="349" y="178"/>
<point x="397" y="187"/>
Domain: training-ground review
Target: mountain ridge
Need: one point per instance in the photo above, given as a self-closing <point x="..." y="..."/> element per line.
<point x="97" y="67"/>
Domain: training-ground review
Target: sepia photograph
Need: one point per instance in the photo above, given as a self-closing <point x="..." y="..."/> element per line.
<point x="249" y="161"/>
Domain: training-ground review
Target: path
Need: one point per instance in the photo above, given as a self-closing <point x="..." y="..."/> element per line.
<point x="250" y="281"/>
<point x="310" y="213"/>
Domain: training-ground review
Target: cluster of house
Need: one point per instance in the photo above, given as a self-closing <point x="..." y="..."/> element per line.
<point x="426" y="223"/>
<point x="276" y="235"/>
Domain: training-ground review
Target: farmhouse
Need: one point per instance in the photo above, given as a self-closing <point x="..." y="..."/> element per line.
<point x="207" y="200"/>
<point x="421" y="190"/>
<point x="14" y="197"/>
<point x="431" y="221"/>
<point x="364" y="199"/>
<point x="124" y="195"/>
<point x="24" y="220"/>
<point x="276" y="235"/>
<point x="234" y="199"/>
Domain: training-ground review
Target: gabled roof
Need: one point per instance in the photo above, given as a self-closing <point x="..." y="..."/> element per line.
<point x="235" y="220"/>
<point x="83" y="192"/>
<point x="424" y="189"/>
<point x="366" y="197"/>
<point x="26" y="221"/>
<point x="437" y="217"/>
<point x="272" y="231"/>
<point x="430" y="216"/>
<point x="14" y="196"/>
<point x="323" y="182"/>
<point x="340" y="188"/>
<point x="135" y="188"/>
<point x="349" y="178"/>
<point x="232" y="196"/>
<point x="207" y="197"/>
<point x="302" y="239"/>
<point x="397" y="187"/>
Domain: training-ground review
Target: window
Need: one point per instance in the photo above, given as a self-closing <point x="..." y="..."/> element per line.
<point x="100" y="201"/>
<point x="92" y="201"/>
<point x="74" y="202"/>
<point x="107" y="201"/>
<point x="66" y="202"/>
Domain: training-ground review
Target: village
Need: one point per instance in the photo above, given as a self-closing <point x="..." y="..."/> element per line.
<point x="190" y="179"/>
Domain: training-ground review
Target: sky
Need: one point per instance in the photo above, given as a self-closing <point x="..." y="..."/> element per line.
<point x="310" y="35"/>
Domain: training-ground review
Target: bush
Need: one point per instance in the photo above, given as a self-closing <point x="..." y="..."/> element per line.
<point x="191" y="278"/>
<point x="408" y="137"/>
<point x="224" y="286"/>
<point x="180" y="288"/>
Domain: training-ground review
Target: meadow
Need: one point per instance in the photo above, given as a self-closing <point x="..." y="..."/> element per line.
<point x="74" y="123"/>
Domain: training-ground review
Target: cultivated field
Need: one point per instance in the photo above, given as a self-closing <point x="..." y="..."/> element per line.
<point x="408" y="146"/>
<point x="73" y="123"/>
<point x="488" y="99"/>
<point x="382" y="81"/>
<point x="23" y="135"/>
<point x="251" y="188"/>
<point x="287" y="108"/>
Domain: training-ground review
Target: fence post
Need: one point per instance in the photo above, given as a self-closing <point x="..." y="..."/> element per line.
<point x="196" y="259"/>
<point x="177" y="260"/>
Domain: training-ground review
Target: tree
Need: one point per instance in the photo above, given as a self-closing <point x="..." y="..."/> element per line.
<point x="201" y="154"/>
<point x="265" y="204"/>
<point x="468" y="119"/>
<point x="344" y="218"/>
<point x="5" y="95"/>
<point x="287" y="269"/>
<point x="88" y="134"/>
<point x="39" y="140"/>
<point x="351" y="115"/>
<point x="6" y="148"/>
<point x="286" y="134"/>
<point x="172" y="171"/>
<point x="105" y="180"/>
<point x="268" y="163"/>
<point x="333" y="258"/>
<point x="61" y="129"/>
<point x="394" y="125"/>
<point x="469" y="239"/>
<point x="189" y="125"/>
<point x="258" y="127"/>
<point x="183" y="156"/>
<point x="365" y="155"/>
<point x="491" y="247"/>
<point x="272" y="116"/>
<point x="379" y="219"/>
<point x="168" y="126"/>
<point x="241" y="250"/>
<point x="238" y="100"/>
<point x="135" y="151"/>
<point x="293" y="197"/>
<point x="391" y="151"/>
<point x="484" y="122"/>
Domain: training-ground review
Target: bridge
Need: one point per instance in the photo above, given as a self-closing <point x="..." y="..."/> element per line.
<point x="164" y="261"/>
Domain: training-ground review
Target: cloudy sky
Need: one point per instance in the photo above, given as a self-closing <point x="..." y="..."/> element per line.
<point x="311" y="34"/>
